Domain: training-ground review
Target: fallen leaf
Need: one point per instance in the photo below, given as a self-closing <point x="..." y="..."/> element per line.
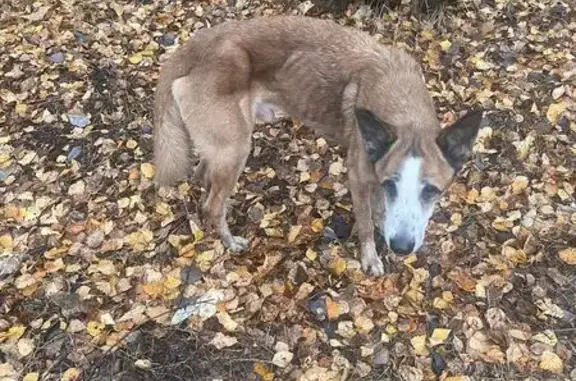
<point x="143" y="364"/>
<point x="221" y="341"/>
<point x="555" y="110"/>
<point x="519" y="184"/>
<point x="338" y="265"/>
<point x="294" y="231"/>
<point x="25" y="347"/>
<point x="135" y="58"/>
<point x="568" y="255"/>
<point x="551" y="362"/>
<point x="282" y="358"/>
<point x="439" y="336"/>
<point x="332" y="309"/>
<point x="148" y="170"/>
<point x="71" y="374"/>
<point x="262" y="371"/>
<point x="33" y="376"/>
<point x="95" y="328"/>
<point x="419" y="345"/>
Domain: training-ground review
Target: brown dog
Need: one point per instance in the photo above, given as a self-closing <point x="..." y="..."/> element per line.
<point x="371" y="98"/>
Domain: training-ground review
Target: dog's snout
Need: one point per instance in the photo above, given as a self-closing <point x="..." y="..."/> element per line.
<point x="402" y="245"/>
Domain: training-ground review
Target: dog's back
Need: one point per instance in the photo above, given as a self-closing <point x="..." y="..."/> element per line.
<point x="302" y="61"/>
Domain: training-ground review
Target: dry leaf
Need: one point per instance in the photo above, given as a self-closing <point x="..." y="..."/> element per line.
<point x="71" y="374"/>
<point x="221" y="341"/>
<point x="568" y="255"/>
<point x="95" y="328"/>
<point x="33" y="376"/>
<point x="262" y="371"/>
<point x="338" y="266"/>
<point x="25" y="347"/>
<point x="555" y="110"/>
<point x="551" y="362"/>
<point x="439" y="336"/>
<point x="148" y="170"/>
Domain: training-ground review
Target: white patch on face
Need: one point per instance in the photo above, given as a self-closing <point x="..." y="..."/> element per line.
<point x="406" y="215"/>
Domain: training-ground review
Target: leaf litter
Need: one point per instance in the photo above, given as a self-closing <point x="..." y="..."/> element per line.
<point x="103" y="277"/>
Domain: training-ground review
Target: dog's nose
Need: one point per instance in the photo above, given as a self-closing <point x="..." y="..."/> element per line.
<point x="402" y="245"/>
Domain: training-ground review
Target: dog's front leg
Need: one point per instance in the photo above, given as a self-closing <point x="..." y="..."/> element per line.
<point x="361" y="199"/>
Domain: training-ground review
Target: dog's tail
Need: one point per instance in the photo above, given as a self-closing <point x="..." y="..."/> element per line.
<point x="171" y="140"/>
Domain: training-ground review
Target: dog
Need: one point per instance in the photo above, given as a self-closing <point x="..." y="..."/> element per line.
<point x="367" y="97"/>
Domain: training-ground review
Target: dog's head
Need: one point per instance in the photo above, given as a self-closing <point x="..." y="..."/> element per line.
<point x="413" y="170"/>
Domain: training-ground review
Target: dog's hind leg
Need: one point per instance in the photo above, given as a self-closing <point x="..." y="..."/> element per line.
<point x="224" y="169"/>
<point x="220" y="127"/>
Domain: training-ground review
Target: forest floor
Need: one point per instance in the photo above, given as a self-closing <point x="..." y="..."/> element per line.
<point x="104" y="278"/>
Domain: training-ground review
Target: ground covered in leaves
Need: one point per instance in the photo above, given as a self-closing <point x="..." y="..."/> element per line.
<point x="102" y="277"/>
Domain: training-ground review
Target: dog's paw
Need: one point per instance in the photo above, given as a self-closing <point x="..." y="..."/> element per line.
<point x="372" y="265"/>
<point x="236" y="244"/>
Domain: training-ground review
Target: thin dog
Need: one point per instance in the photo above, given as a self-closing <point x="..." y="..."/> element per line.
<point x="370" y="98"/>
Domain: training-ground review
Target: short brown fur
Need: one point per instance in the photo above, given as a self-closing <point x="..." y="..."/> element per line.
<point x="212" y="87"/>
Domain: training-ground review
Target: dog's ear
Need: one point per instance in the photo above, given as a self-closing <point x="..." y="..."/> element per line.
<point x="378" y="136"/>
<point x="456" y="141"/>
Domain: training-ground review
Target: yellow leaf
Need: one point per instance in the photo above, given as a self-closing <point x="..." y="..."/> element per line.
<point x="15" y="332"/>
<point x="410" y="259"/>
<point x="317" y="225"/>
<point x="196" y="231"/>
<point x="555" y="110"/>
<point x="94" y="328"/>
<point x="551" y="362"/>
<point x="568" y="255"/>
<point x="294" y="231"/>
<point x="4" y="158"/>
<point x="547" y="337"/>
<point x="456" y="219"/>
<point x="21" y="109"/>
<point x="338" y="266"/>
<point x="439" y="335"/>
<point x="6" y="242"/>
<point x="440" y="304"/>
<point x="148" y="170"/>
<point x="204" y="260"/>
<point x="482" y="65"/>
<point x="163" y="209"/>
<point x="176" y="240"/>
<point x="106" y="267"/>
<point x="263" y="372"/>
<point x="391" y="330"/>
<point x="445" y="45"/>
<point x="311" y="254"/>
<point x="172" y="282"/>
<point x="274" y="232"/>
<point x="419" y="344"/>
<point x="34" y="376"/>
<point x="227" y="322"/>
<point x="135" y="58"/>
<point x="71" y="374"/>
<point x="520" y="183"/>
<point x="56" y="252"/>
<point x="141" y="240"/>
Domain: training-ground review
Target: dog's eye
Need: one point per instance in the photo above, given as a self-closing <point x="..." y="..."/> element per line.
<point x="430" y="191"/>
<point x="390" y="188"/>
